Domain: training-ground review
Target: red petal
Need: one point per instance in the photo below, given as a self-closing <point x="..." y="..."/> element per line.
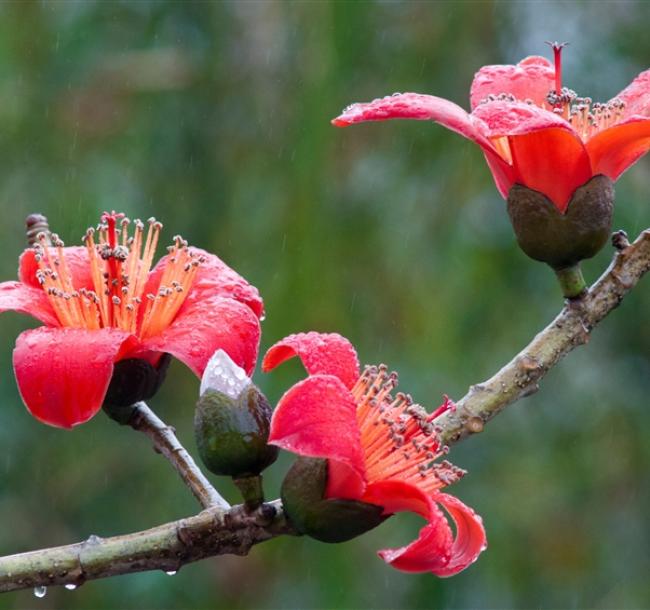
<point x="516" y="118"/>
<point x="343" y="481"/>
<point x="613" y="150"/>
<point x="547" y="154"/>
<point x="552" y="161"/>
<point x="201" y="327"/>
<point x="436" y="549"/>
<point x="321" y="353"/>
<point x="532" y="78"/>
<point x="76" y="258"/>
<point x="431" y="551"/>
<point x="214" y="278"/>
<point x="415" y="106"/>
<point x="317" y="418"/>
<point x="637" y="96"/>
<point x="397" y="496"/>
<point x="470" y="540"/>
<point x="16" y="296"/>
<point x="428" y="107"/>
<point x="63" y="373"/>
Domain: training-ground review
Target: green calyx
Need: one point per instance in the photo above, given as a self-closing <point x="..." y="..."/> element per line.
<point x="327" y="520"/>
<point x="232" y="433"/>
<point x="563" y="240"/>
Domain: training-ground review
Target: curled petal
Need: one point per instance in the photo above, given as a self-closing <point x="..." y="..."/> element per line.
<point x="63" y="373"/>
<point x="532" y="78"/>
<point x="436" y="549"/>
<point x="615" y="149"/>
<point x="470" y="540"/>
<point x="76" y="259"/>
<point x="214" y="278"/>
<point x="201" y="327"/>
<point x="637" y="96"/>
<point x="16" y="296"/>
<point x="415" y="106"/>
<point x="431" y="551"/>
<point x="317" y="418"/>
<point x="320" y="353"/>
<point x="431" y="108"/>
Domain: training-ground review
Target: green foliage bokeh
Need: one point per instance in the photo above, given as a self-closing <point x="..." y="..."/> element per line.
<point x="214" y="117"/>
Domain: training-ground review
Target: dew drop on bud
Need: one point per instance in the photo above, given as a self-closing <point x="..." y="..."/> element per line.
<point x="170" y="572"/>
<point x="40" y="591"/>
<point x="70" y="586"/>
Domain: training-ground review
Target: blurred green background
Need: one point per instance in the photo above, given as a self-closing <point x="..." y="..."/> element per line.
<point x="214" y="117"/>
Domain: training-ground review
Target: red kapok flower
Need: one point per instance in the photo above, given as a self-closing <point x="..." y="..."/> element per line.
<point x="380" y="449"/>
<point x="103" y="303"/>
<point x="533" y="131"/>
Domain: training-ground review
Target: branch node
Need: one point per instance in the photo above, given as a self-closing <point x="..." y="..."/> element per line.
<point x="620" y="240"/>
<point x="474" y="425"/>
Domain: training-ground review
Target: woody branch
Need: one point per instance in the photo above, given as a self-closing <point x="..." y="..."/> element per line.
<point x="216" y="531"/>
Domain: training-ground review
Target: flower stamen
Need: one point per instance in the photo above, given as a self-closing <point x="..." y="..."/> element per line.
<point x="399" y="438"/>
<point x="119" y="270"/>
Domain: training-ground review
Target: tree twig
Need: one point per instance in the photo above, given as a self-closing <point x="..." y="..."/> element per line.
<point x="166" y="547"/>
<point x="571" y="328"/>
<point x="217" y="532"/>
<point x="165" y="442"/>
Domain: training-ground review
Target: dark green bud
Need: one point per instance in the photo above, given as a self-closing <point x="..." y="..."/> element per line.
<point x="563" y="240"/>
<point x="133" y="380"/>
<point x="232" y="432"/>
<point x="327" y="520"/>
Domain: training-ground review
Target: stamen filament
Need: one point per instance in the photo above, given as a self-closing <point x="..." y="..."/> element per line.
<point x="119" y="272"/>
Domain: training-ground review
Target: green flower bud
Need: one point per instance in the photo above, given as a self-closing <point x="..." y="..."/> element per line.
<point x="563" y="239"/>
<point x="231" y="422"/>
<point x="327" y="520"/>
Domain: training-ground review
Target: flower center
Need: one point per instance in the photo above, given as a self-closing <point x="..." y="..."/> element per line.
<point x="586" y="117"/>
<point x="399" y="438"/>
<point x="119" y="269"/>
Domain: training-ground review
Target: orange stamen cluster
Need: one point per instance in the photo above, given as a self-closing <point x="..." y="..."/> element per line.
<point x="119" y="268"/>
<point x="399" y="438"/>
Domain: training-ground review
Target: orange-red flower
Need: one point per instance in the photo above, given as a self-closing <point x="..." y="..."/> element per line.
<point x="533" y="131"/>
<point x="381" y="449"/>
<point x="102" y="303"/>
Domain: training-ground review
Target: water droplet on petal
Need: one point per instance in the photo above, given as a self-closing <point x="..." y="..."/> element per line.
<point x="40" y="591"/>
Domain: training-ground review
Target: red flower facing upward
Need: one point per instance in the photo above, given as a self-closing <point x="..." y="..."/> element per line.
<point x="533" y="131"/>
<point x="103" y="303"/>
<point x="381" y="449"/>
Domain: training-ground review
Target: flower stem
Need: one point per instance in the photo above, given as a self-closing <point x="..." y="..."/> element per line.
<point x="571" y="281"/>
<point x="251" y="490"/>
<point x="165" y="442"/>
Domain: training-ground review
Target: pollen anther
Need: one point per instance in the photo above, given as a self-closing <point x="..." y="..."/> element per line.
<point x="119" y="269"/>
<point x="398" y="436"/>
